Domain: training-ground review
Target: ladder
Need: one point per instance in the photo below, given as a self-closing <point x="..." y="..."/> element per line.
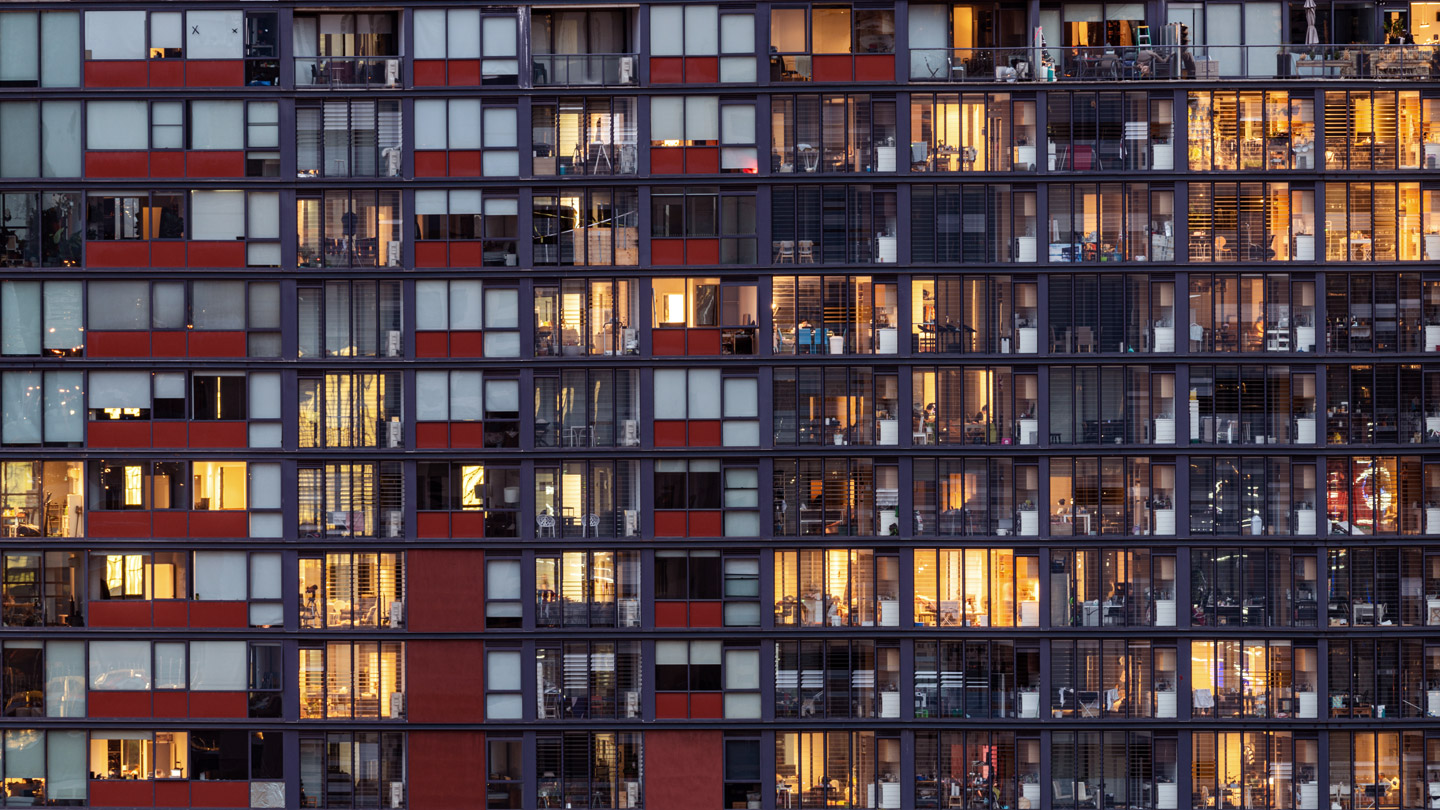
<point x="1142" y="36"/>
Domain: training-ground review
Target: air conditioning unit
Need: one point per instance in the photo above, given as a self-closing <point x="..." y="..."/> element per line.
<point x="397" y="615"/>
<point x="627" y="69"/>
<point x="395" y="526"/>
<point x="632" y="522"/>
<point x="632" y="704"/>
<point x="397" y="433"/>
<point x="392" y="72"/>
<point x="629" y="433"/>
<point x="397" y="705"/>
<point x="392" y="254"/>
<point x="392" y="161"/>
<point x="392" y="343"/>
<point x="397" y="794"/>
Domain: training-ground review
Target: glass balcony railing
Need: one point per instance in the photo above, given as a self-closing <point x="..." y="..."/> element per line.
<point x="349" y="72"/>
<point x="585" y="69"/>
<point x="1193" y="62"/>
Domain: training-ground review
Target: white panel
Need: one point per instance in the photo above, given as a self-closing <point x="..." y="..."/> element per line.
<point x="265" y="575"/>
<point x="214" y="34"/>
<point x="430" y="124"/>
<point x="463" y="29"/>
<point x="60" y="49"/>
<point x="702" y="118"/>
<point x="669" y="393"/>
<point x="219" y="576"/>
<point x="218" y="666"/>
<point x="502" y="671"/>
<point x="737" y="123"/>
<point x="667" y="117"/>
<point x="22" y="407"/>
<point x="115" y="35"/>
<point x="464" y="123"/>
<point x="704" y="399"/>
<point x="737" y="34"/>
<point x="429" y="25"/>
<point x="117" y="125"/>
<point x="431" y="301"/>
<point x="500" y="37"/>
<point x="502" y="309"/>
<point x="465" y="396"/>
<point x="465" y="303"/>
<point x="500" y="126"/>
<point x="19" y="33"/>
<point x="119" y="389"/>
<point x="432" y="396"/>
<point x="667" y="31"/>
<point x="265" y="395"/>
<point x="64" y="407"/>
<point x="217" y="215"/>
<point x="20" y="317"/>
<point x="702" y="30"/>
<point x="265" y="489"/>
<point x="264" y="215"/>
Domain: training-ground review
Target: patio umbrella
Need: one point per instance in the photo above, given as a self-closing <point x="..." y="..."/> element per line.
<point x="1312" y="36"/>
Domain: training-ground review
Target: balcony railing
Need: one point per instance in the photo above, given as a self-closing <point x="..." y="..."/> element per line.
<point x="1194" y="62"/>
<point x="585" y="69"/>
<point x="349" y="72"/>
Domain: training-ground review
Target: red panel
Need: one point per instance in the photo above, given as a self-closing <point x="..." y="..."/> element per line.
<point x="706" y="524"/>
<point x="217" y="344"/>
<point x="219" y="704"/>
<point x="831" y="68"/>
<point x="704" y="341"/>
<point x="228" y="523"/>
<point x="219" y="614"/>
<point x="167" y="73"/>
<point x="430" y="254"/>
<point x="667" y="70"/>
<point x="429" y="72"/>
<point x="169" y="434"/>
<point x="432" y="435"/>
<point x="168" y="344"/>
<point x="672" y="706"/>
<point x="117" y="524"/>
<point x="432" y="344"/>
<point x="109" y="433"/>
<point x="217" y="254"/>
<point x="464" y="72"/>
<point x="706" y="614"/>
<point x="207" y="163"/>
<point x="215" y="73"/>
<point x="467" y="254"/>
<point x="667" y="342"/>
<point x="669" y="432"/>
<point x="467" y="434"/>
<point x="171" y="523"/>
<point x="702" y="160"/>
<point x="465" y="163"/>
<point x="167" y="254"/>
<point x="432" y="524"/>
<point x="707" y="705"/>
<point x="702" y="251"/>
<point x="118" y="704"/>
<point x="121" y="792"/>
<point x="117" y="613"/>
<point x="219" y="434"/>
<point x="467" y="344"/>
<point x="667" y="160"/>
<point x="167" y="164"/>
<point x="219" y="794"/>
<point x="435" y="759"/>
<point x="681" y="766"/>
<point x="669" y="524"/>
<point x="451" y="577"/>
<point x="172" y="703"/>
<point x="117" y="254"/>
<point x="467" y="525"/>
<point x="429" y="164"/>
<point x="172" y="792"/>
<point x="172" y="613"/>
<point x="118" y="344"/>
<point x="705" y="433"/>
<point x="129" y="73"/>
<point x="667" y="251"/>
<point x="117" y="164"/>
<point x="702" y="70"/>
<point x="444" y="681"/>
<point x="669" y="614"/>
<point x="875" y="67"/>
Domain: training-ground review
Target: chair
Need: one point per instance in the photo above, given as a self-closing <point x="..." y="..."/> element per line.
<point x="1089" y="707"/>
<point x="1062" y="791"/>
<point x="785" y="252"/>
<point x="919" y="155"/>
<point x="1085" y="339"/>
<point x="807" y="251"/>
<point x="1204" y="699"/>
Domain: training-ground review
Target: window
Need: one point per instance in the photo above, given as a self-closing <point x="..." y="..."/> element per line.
<point x="832" y="133"/>
<point x="359" y="679"/>
<point x="976" y="587"/>
<point x="1253" y="222"/>
<point x="471" y="487"/>
<point x="26" y="34"/>
<point x="1110" y="678"/>
<point x="729" y="404"/>
<point x="972" y="223"/>
<point x="1376" y="130"/>
<point x="835" y="679"/>
<point x="340" y="319"/>
<point x="708" y="576"/>
<point x="350" y="138"/>
<point x="598" y="408"/>
<point x="742" y="770"/>
<point x="352" y="499"/>
<point x="43" y="588"/>
<point x="832" y="34"/>
<point x="1272" y="131"/>
<point x="594" y="769"/>
<point x="587" y="589"/>
<point x="34" y="215"/>
<point x="1372" y="221"/>
<point x="1096" y="758"/>
<point x="806" y="760"/>
<point x="505" y="772"/>
<point x="503" y="609"/>
<point x="463" y="216"/>
<point x="587" y="499"/>
<point x="458" y="396"/>
<point x="836" y="588"/>
<point x="350" y="409"/>
<point x="43" y="408"/>
<point x="834" y="496"/>
<point x="468" y="34"/>
<point x="502" y="684"/>
<point x="459" y="306"/>
<point x="596" y="226"/>
<point x="587" y="316"/>
<point x="833" y="225"/>
<point x="44" y="498"/>
<point x="45" y="678"/>
<point x="693" y="121"/>
<point x="462" y="124"/>
<point x="341" y="769"/>
<point x="603" y="42"/>
<point x="596" y="680"/>
<point x="1254" y="587"/>
<point x="698" y="31"/>
<point x="135" y="215"/>
<point x="352" y="590"/>
<point x="953" y="679"/>
<point x="42" y="139"/>
<point x="134" y="755"/>
<point x="596" y="135"/>
<point x="339" y="50"/>
<point x="974" y="132"/>
<point x="340" y="228"/>
<point x="720" y="225"/>
<point x="1106" y="222"/>
<point x="683" y="667"/>
<point x="688" y="485"/>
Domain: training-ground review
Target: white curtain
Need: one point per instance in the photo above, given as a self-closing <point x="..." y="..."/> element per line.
<point x="465" y="201"/>
<point x="63" y="327"/>
<point x="667" y="31"/>
<point x="500" y="38"/>
<point x="264" y="395"/>
<point x="430" y="126"/>
<point x="60" y="139"/>
<point x="119" y="305"/>
<point x="59" y="49"/>
<point x="432" y="396"/>
<point x="18" y="151"/>
<point x="264" y="485"/>
<point x="119" y="389"/>
<point x="465" y="305"/>
<point x="306" y="37"/>
<point x="702" y="118"/>
<point x="502" y="396"/>
<point x="219" y="576"/>
<point x="168" y="305"/>
<point x="167" y="29"/>
<point x="214" y="34"/>
<point x="463" y="31"/>
<point x="669" y="393"/>
<point x="502" y="309"/>
<point x="64" y="689"/>
<point x="117" y="125"/>
<point x="115" y="34"/>
<point x="218" y="304"/>
<point x="265" y="575"/>
<point x="740" y="397"/>
<point x="702" y="30"/>
<point x="500" y="128"/>
<point x="217" y="125"/>
<point x="19" y="32"/>
<point x="667" y="116"/>
<point x="68" y="757"/>
<point x="20" y="317"/>
<point x="737" y="123"/>
<point x="431" y="297"/>
<point x="218" y="666"/>
<point x="264" y="215"/>
<point x="429" y="24"/>
<point x="218" y="215"/>
<point x="64" y="407"/>
<point x="464" y="123"/>
<point x="465" y="396"/>
<point x="21" y="400"/>
<point x="704" y="394"/>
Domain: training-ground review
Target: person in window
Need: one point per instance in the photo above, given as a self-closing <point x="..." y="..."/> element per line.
<point x="172" y="225"/>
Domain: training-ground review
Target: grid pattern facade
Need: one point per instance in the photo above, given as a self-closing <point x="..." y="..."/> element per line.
<point x="1014" y="406"/>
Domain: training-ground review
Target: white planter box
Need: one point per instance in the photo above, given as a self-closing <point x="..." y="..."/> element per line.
<point x="1305" y="430"/>
<point x="885" y="249"/>
<point x="1025" y="158"/>
<point x="1304" y="521"/>
<point x="884" y="158"/>
<point x="888" y="518"/>
<point x="1030" y="708"/>
<point x="1164" y="612"/>
<point x="1167" y="796"/>
<point x="1164" y="339"/>
<point x="1024" y="248"/>
<point x="889" y="705"/>
<point x="1304" y="338"/>
<point x="889" y="613"/>
<point x="1029" y="431"/>
<point x="889" y="431"/>
<point x="889" y="341"/>
<point x="1309" y="705"/>
<point x="1432" y="337"/>
<point x="1165" y="522"/>
<point x="1029" y="614"/>
<point x="837" y="344"/>
<point x="1165" y="703"/>
<point x="1432" y="703"/>
<point x="1309" y="796"/>
<point x="1030" y="792"/>
<point x="1165" y="430"/>
<point x="1304" y="247"/>
<point x="889" y="796"/>
<point x="1432" y="520"/>
<point x="1162" y="156"/>
<point x="1432" y="247"/>
<point x="1029" y="523"/>
<point x="1029" y="339"/>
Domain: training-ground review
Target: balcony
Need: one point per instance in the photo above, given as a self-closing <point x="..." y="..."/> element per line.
<point x="585" y="70"/>
<point x="349" y="72"/>
<point x="1165" y="62"/>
